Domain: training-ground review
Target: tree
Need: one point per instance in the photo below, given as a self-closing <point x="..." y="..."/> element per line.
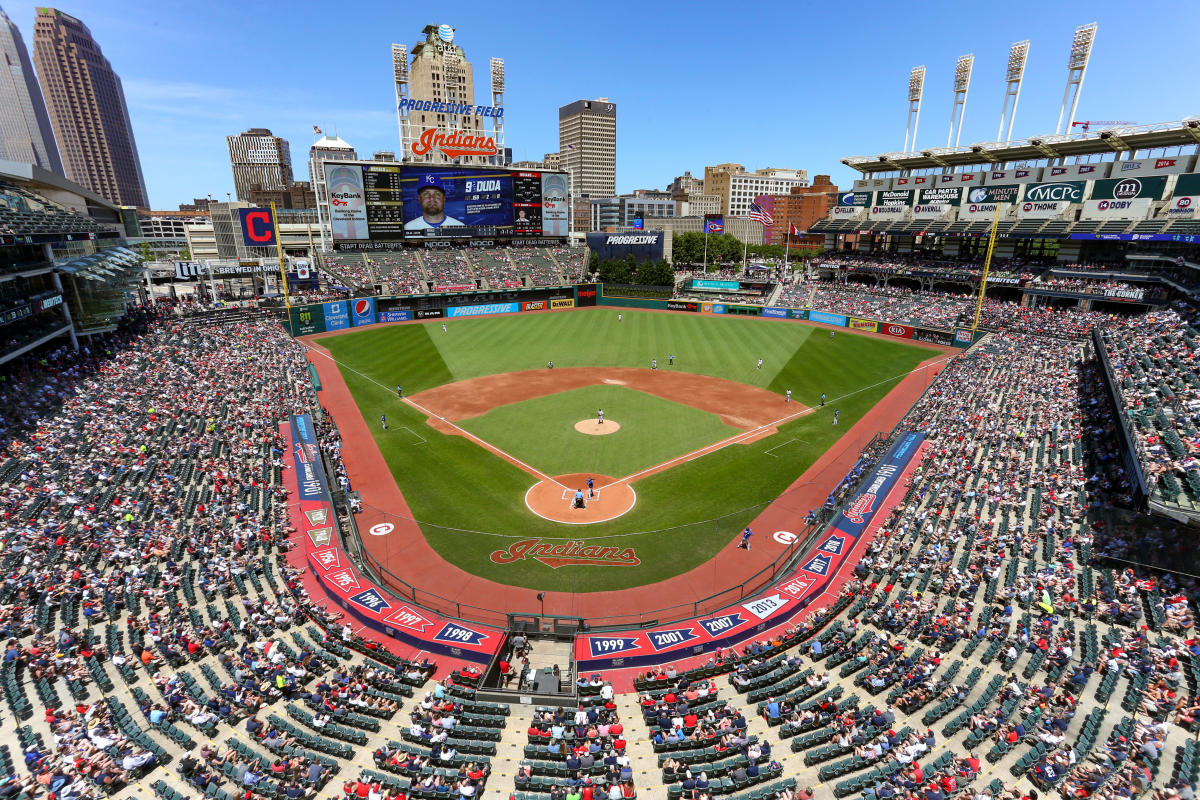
<point x="593" y="262"/>
<point x="655" y="273"/>
<point x="616" y="271"/>
<point x="144" y="251"/>
<point x="185" y="254"/>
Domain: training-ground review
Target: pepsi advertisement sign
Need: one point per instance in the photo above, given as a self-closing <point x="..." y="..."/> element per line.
<point x="364" y="311"/>
<point x="337" y="315"/>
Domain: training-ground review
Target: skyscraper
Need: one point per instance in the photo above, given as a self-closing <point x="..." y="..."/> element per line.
<point x="260" y="160"/>
<point x="587" y="146"/>
<point x="87" y="109"/>
<point x="25" y="132"/>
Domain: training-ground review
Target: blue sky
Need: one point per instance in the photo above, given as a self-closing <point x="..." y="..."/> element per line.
<point x="797" y="85"/>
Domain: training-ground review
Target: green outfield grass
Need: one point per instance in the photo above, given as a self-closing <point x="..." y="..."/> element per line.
<point x="541" y="432"/>
<point x="729" y="486"/>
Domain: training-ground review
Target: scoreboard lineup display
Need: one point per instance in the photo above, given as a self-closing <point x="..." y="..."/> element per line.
<point x="386" y="204"/>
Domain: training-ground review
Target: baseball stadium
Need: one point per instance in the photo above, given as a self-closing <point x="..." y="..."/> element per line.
<point x="911" y="515"/>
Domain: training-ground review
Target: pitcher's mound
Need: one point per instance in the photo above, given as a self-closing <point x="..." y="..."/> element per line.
<point x="555" y="499"/>
<point x="594" y="428"/>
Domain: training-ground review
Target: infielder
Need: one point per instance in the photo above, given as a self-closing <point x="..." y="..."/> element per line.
<point x="788" y="397"/>
<point x="836" y="411"/>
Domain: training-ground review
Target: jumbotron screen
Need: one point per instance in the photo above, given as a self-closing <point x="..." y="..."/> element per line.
<point x="372" y="202"/>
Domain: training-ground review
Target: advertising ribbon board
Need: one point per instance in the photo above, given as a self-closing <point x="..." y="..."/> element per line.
<point x="828" y="319"/>
<point x="775" y="605"/>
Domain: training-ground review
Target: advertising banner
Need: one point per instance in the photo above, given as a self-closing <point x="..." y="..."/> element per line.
<point x="849" y="211"/>
<point x="773" y="606"/>
<point x="430" y="313"/>
<point x="310" y="475"/>
<point x="946" y="195"/>
<point x="454" y="287"/>
<point x="1042" y="210"/>
<point x="899" y="331"/>
<point x="894" y="197"/>
<point x="554" y="204"/>
<point x="1058" y="192"/>
<point x="257" y="228"/>
<point x="854" y="199"/>
<point x="828" y="319"/>
<point x="347" y="202"/>
<point x="337" y="315"/>
<point x="483" y="310"/>
<point x="643" y="247"/>
<point x="722" y="285"/>
<point x="714" y="223"/>
<point x="798" y="313"/>
<point x="307" y="319"/>
<point x="777" y="313"/>
<point x="982" y="201"/>
<point x="587" y="294"/>
<point x="536" y="305"/>
<point x="933" y="336"/>
<point x="868" y="325"/>
<point x="962" y="337"/>
<point x="1185" y="198"/>
<point x="399" y="315"/>
<point x="364" y="311"/>
<point x="687" y="305"/>
<point x="1130" y="188"/>
<point x="562" y="303"/>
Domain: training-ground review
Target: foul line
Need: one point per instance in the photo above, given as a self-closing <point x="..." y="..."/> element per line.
<point x="712" y="448"/>
<point x="783" y="444"/>
<point x="487" y="446"/>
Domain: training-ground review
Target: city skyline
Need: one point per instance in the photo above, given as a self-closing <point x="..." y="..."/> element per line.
<point x="826" y="89"/>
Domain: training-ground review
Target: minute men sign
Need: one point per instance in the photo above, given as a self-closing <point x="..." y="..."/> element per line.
<point x="982" y="201"/>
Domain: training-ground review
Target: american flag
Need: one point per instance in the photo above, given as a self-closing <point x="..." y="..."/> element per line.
<point x="757" y="213"/>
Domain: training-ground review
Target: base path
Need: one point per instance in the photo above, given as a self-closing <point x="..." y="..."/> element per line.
<point x="550" y="500"/>
<point x="446" y="588"/>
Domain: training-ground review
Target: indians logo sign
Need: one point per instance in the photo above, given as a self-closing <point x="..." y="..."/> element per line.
<point x="862" y="505"/>
<point x="454" y="144"/>
<point x="572" y="553"/>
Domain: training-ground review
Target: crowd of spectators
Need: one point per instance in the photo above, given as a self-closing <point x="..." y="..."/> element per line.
<point x="449" y="268"/>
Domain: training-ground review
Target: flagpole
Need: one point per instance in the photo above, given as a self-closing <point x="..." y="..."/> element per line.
<point x="745" y="249"/>
<point x="787" y="245"/>
<point x="706" y="247"/>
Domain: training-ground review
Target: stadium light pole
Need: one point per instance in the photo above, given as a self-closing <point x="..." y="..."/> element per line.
<point x="916" y="88"/>
<point x="400" y="76"/>
<point x="962" y="83"/>
<point x="1077" y="62"/>
<point x="1013" y="77"/>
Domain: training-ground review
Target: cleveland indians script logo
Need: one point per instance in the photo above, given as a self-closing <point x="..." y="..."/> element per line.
<point x="861" y="505"/>
<point x="571" y="553"/>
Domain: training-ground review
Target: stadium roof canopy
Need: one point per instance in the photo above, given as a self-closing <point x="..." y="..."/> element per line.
<point x="985" y="154"/>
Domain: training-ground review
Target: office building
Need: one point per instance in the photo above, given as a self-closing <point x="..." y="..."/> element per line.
<point x="87" y="109"/>
<point x="587" y="146"/>
<point x="25" y="132"/>
<point x="260" y="160"/>
<point x="737" y="188"/>
<point x="441" y="86"/>
<point x="803" y="206"/>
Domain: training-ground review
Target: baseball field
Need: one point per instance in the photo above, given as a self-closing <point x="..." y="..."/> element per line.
<point x="703" y="443"/>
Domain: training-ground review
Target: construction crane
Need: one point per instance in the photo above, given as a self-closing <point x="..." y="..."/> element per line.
<point x="1089" y="123"/>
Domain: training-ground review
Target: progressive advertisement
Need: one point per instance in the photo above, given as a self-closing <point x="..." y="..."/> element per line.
<point x="374" y="203"/>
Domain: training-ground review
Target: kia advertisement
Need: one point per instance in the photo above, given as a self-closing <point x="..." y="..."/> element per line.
<point x="899" y="331"/>
<point x="375" y="203"/>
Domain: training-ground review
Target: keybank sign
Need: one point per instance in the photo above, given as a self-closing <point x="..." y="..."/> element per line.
<point x="1062" y="191"/>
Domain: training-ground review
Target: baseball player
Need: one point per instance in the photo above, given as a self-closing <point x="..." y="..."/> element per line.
<point x="619" y="317"/>
<point x="759" y="364"/>
<point x="831" y="334"/>
<point x="383" y="421"/>
<point x="670" y="360"/>
<point x="399" y="392"/>
<point x="746" y="534"/>
<point x="443" y="327"/>
<point x="835" y="415"/>
<point x="591" y="487"/>
<point x="788" y="397"/>
<point x="654" y="363"/>
<point x="822" y="398"/>
<point x="549" y="365"/>
<point x="600" y="416"/>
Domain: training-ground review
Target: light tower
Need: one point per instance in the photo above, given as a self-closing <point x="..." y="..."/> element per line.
<point x="498" y="102"/>
<point x="916" y="88"/>
<point x="1077" y="61"/>
<point x="400" y="71"/>
<point x="962" y="82"/>
<point x="1013" y="76"/>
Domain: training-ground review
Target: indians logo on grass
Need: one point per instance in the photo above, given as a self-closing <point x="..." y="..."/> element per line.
<point x="572" y="553"/>
<point x="862" y="505"/>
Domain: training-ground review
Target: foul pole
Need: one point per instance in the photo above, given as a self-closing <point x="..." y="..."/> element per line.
<point x="287" y="298"/>
<point x="987" y="264"/>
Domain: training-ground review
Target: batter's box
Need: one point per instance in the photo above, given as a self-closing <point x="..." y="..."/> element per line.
<point x="569" y="494"/>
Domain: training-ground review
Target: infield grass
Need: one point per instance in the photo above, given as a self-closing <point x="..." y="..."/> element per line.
<point x="470" y="502"/>
<point x="541" y="432"/>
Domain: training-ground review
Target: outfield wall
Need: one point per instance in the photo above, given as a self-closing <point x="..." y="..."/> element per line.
<point x="365" y="311"/>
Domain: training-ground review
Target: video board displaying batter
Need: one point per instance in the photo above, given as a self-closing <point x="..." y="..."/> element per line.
<point x="373" y="202"/>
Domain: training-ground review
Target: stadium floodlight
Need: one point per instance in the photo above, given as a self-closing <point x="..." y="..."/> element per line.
<point x="916" y="88"/>
<point x="1077" y="62"/>
<point x="400" y="74"/>
<point x="1018" y="54"/>
<point x="498" y="75"/>
<point x="400" y="62"/>
<point x="962" y="83"/>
